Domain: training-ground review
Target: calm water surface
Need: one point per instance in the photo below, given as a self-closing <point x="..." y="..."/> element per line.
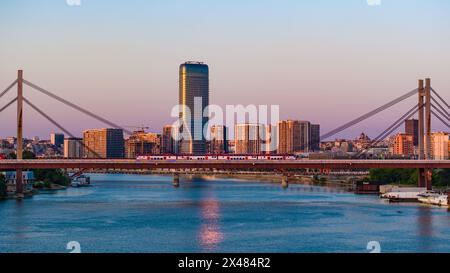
<point x="131" y="213"/>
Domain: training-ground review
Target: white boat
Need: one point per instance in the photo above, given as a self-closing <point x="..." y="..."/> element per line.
<point x="81" y="181"/>
<point x="400" y="194"/>
<point x="433" y="198"/>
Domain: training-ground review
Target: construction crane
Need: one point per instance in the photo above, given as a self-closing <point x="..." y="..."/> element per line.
<point x="142" y="129"/>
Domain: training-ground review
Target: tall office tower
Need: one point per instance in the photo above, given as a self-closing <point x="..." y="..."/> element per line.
<point x="103" y="143"/>
<point x="412" y="128"/>
<point x="247" y="138"/>
<point x="57" y="139"/>
<point x="73" y="148"/>
<point x="219" y="139"/>
<point x="193" y="93"/>
<point x="440" y="146"/>
<point x="142" y="143"/>
<point x="294" y="136"/>
<point x="315" y="137"/>
<point x="403" y="145"/>
<point x="168" y="144"/>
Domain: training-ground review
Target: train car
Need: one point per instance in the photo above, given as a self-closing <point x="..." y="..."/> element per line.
<point x="232" y="157"/>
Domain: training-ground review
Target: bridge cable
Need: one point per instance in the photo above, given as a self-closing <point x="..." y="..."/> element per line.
<point x="381" y="138"/>
<point x="390" y="130"/>
<point x="60" y="127"/>
<point x="8" y="104"/>
<point x="76" y="107"/>
<point x="440" y="112"/>
<point x="445" y="113"/>
<point x="8" y="88"/>
<point x="436" y="93"/>
<point x="369" y="114"/>
<point x="440" y="118"/>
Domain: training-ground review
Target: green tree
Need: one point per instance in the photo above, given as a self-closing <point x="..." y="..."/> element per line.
<point x="389" y="176"/>
<point x="25" y="155"/>
<point x="52" y="176"/>
<point x="441" y="177"/>
<point x="48" y="176"/>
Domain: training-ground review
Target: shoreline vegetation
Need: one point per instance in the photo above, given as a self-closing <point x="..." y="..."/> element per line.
<point x="408" y="177"/>
<point x="46" y="180"/>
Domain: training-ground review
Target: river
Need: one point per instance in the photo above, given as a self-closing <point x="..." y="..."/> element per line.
<point x="143" y="213"/>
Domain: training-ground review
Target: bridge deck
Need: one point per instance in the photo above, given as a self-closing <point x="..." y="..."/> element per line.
<point x="221" y="164"/>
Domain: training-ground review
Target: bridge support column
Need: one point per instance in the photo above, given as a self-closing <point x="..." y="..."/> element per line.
<point x="19" y="183"/>
<point x="428" y="179"/>
<point x="428" y="152"/>
<point x="421" y="105"/>
<point x="425" y="178"/>
<point x="19" y="152"/>
<point x="285" y="181"/>
<point x="176" y="180"/>
<point x="425" y="175"/>
<point x="422" y="183"/>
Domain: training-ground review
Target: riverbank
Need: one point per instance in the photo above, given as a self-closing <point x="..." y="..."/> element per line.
<point x="53" y="188"/>
<point x="347" y="182"/>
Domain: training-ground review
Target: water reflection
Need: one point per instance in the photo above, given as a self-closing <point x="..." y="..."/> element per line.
<point x="210" y="233"/>
<point x="425" y="224"/>
<point x="20" y="219"/>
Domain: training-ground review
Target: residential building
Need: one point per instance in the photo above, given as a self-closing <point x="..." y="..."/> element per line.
<point x="412" y="128"/>
<point x="103" y="143"/>
<point x="247" y="138"/>
<point x="57" y="139"/>
<point x="142" y="143"/>
<point x="219" y="139"/>
<point x="403" y="145"/>
<point x="315" y="138"/>
<point x="294" y="136"/>
<point x="440" y="146"/>
<point x="73" y="148"/>
<point x="168" y="143"/>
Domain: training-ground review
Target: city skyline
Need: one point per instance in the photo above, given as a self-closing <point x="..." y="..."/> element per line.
<point x="314" y="69"/>
<point x="206" y="131"/>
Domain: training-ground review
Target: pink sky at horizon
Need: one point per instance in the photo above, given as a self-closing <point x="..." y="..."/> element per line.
<point x="327" y="64"/>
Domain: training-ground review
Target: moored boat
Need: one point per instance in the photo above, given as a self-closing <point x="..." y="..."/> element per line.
<point x="400" y="194"/>
<point x="81" y="181"/>
<point x="434" y="198"/>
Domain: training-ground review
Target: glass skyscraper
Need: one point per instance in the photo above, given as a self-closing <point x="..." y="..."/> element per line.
<point x="194" y="98"/>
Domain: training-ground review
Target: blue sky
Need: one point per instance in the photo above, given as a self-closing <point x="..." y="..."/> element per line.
<point x="321" y="60"/>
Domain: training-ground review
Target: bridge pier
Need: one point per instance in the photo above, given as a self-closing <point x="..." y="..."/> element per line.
<point x="285" y="181"/>
<point x="19" y="183"/>
<point x="425" y="178"/>
<point x="19" y="151"/>
<point x="176" y="180"/>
